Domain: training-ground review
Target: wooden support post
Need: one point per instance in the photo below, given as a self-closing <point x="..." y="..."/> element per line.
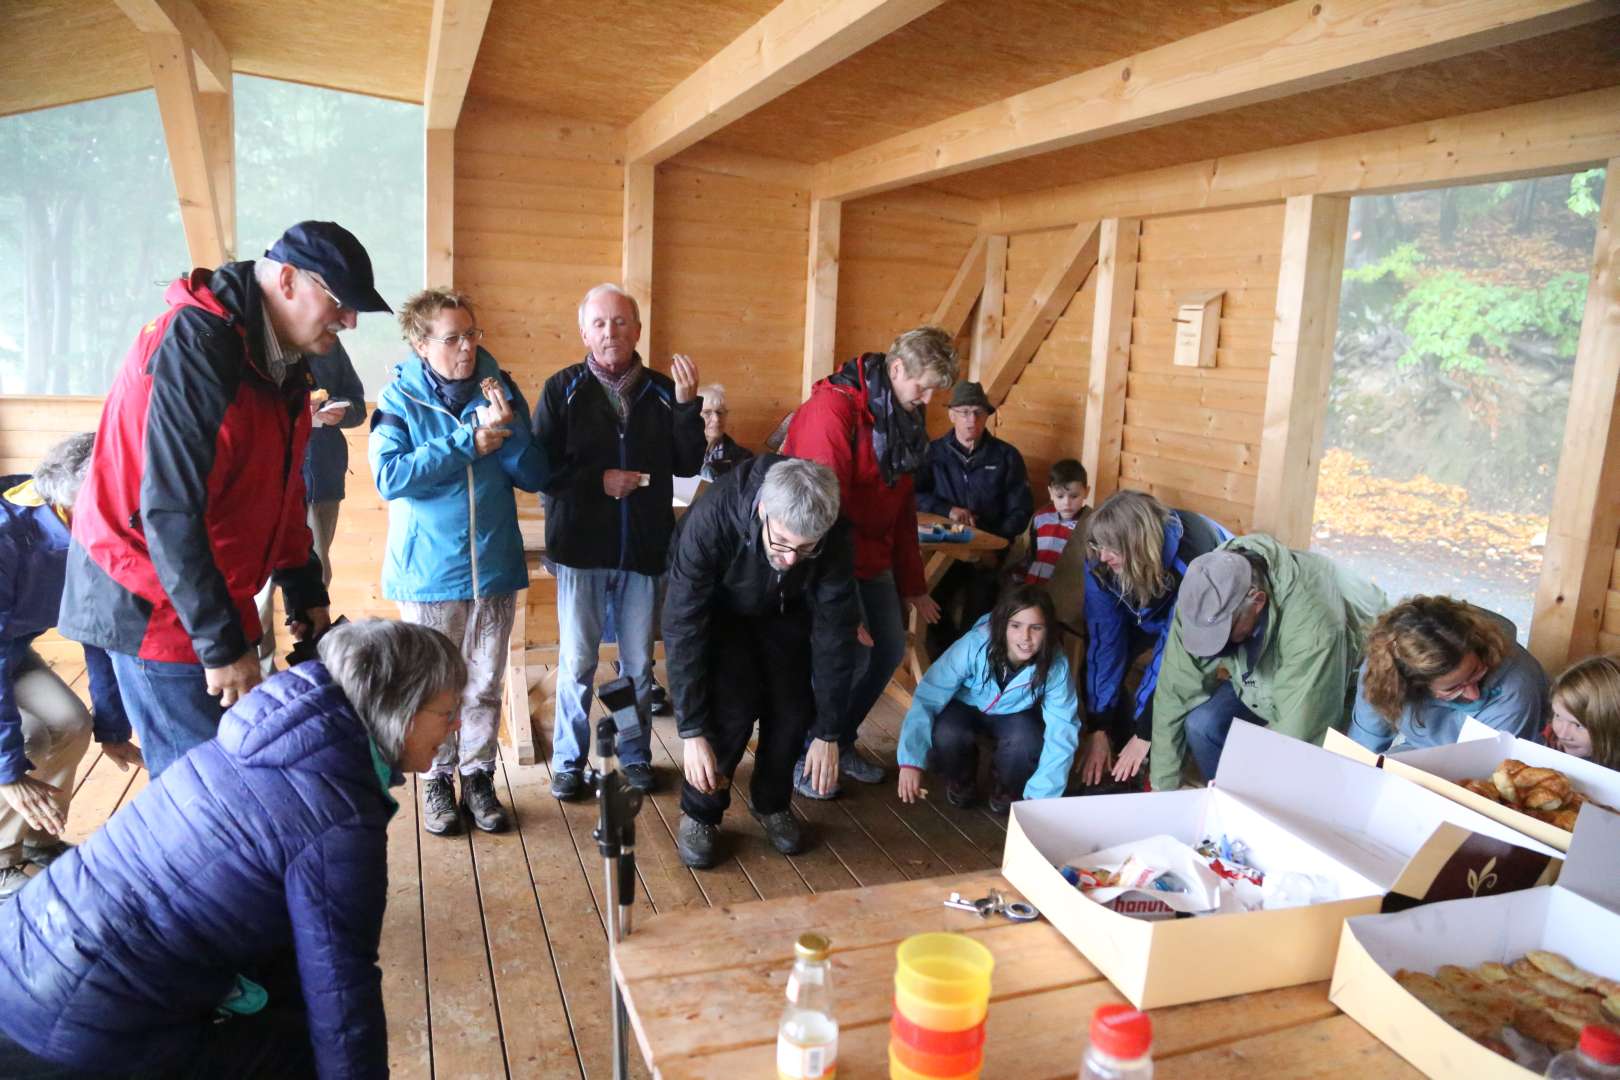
<point x="191" y="74"/>
<point x="1314" y="233"/>
<point x="821" y="292"/>
<point x="439" y="190"/>
<point x="1110" y="354"/>
<point x="1041" y="312"/>
<point x="1585" y="521"/>
<point x="515" y="699"/>
<point x="637" y="272"/>
<point x="954" y="308"/>
<point x="992" y="300"/>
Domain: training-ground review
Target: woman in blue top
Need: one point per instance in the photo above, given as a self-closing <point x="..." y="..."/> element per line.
<point x="1137" y="551"/>
<point x="1431" y="663"/>
<point x="1006" y="678"/>
<point x="449" y="441"/>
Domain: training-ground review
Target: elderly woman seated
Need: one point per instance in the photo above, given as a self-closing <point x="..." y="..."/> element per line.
<point x="225" y="921"/>
<point x="722" y="453"/>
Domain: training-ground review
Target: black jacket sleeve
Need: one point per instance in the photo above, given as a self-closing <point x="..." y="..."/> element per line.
<point x="569" y="478"/>
<point x="1017" y="505"/>
<point x="348" y="387"/>
<point x="835" y="614"/>
<point x="689" y="445"/>
<point x="698" y="561"/>
<point x="195" y="374"/>
<point x="931" y="499"/>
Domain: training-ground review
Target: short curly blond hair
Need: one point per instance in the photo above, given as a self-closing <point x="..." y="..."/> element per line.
<point x="416" y="315"/>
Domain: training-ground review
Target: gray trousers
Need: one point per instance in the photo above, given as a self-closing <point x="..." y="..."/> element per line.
<point x="322" y="517"/>
<point x="56" y="733"/>
<point x="483" y="629"/>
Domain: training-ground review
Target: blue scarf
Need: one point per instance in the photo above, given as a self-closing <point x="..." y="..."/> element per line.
<point x="899" y="438"/>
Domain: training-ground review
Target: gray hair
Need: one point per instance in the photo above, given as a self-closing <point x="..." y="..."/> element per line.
<point x="62" y="470"/>
<point x="802" y="496"/>
<point x="607" y="288"/>
<point x="389" y="671"/>
<point x="713" y="395"/>
<point x="927" y="351"/>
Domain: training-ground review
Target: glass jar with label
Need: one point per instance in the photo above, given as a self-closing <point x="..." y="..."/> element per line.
<point x="807" y="1037"/>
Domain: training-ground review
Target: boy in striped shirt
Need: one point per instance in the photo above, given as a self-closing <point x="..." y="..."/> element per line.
<point x="1053" y="562"/>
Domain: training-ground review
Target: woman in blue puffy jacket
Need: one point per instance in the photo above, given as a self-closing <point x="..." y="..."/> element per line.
<point x="1137" y="551"/>
<point x="1006" y="678"/>
<point x="450" y="439"/>
<point x="225" y="921"/>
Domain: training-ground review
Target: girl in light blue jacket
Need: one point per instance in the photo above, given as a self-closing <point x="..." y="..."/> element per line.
<point x="450" y="439"/>
<point x="1006" y="678"/>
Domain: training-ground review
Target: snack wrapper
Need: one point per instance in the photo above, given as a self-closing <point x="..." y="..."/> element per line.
<point x="1157" y="869"/>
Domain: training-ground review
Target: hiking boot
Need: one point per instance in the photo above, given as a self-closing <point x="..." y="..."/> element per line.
<point x="12" y="878"/>
<point x="658" y="701"/>
<point x="439" y="815"/>
<point x="640" y="777"/>
<point x="42" y="855"/>
<point x="567" y="784"/>
<point x="802" y="784"/>
<point x="478" y="799"/>
<point x="961" y="796"/>
<point x="1000" y="801"/>
<point x="859" y="769"/>
<point x="697" y="844"/>
<point x="782" y="830"/>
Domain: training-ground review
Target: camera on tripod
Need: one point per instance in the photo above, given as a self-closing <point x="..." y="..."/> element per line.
<point x="617" y="804"/>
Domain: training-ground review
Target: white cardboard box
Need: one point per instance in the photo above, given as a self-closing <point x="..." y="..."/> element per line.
<point x="1479" y="750"/>
<point x="1297" y="806"/>
<point x="1577" y="917"/>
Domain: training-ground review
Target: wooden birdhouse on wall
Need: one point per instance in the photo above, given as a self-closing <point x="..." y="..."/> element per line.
<point x="1198" y="326"/>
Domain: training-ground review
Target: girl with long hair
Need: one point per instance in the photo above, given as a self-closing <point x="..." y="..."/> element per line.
<point x="1006" y="678"/>
<point x="1430" y="663"/>
<point x="1137" y="551"/>
<point x="1586" y="710"/>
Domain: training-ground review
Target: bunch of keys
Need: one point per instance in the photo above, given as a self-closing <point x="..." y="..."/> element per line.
<point x="994" y="904"/>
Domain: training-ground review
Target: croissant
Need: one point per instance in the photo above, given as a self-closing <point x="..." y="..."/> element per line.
<point x="1483" y="788"/>
<point x="1559" y="966"/>
<point x="1535" y="789"/>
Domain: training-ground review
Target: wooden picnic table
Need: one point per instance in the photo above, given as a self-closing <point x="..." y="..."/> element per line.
<point x="705" y="990"/>
<point x="937" y="558"/>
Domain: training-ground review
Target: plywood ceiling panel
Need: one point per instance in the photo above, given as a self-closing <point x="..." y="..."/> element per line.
<point x="62" y="51"/>
<point x="1554" y="65"/>
<point x="962" y="55"/>
<point x="602" y="60"/>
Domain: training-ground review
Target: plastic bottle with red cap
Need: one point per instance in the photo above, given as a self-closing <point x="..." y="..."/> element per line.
<point x="1121" y="1045"/>
<point x="1596" y="1057"/>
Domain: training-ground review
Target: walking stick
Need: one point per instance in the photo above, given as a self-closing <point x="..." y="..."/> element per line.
<point x="617" y="804"/>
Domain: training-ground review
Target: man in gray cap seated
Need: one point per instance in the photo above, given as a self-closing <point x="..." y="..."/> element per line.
<point x="978" y="480"/>
<point x="1288" y="629"/>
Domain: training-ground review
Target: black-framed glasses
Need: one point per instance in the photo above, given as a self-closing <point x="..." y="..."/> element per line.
<point x="471" y="337"/>
<point x="809" y="551"/>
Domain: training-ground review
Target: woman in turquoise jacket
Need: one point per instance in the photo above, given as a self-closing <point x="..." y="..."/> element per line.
<point x="1006" y="678"/>
<point x="449" y="441"/>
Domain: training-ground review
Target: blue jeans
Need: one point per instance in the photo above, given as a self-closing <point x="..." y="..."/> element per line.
<point x="169" y="706"/>
<point x="884" y="618"/>
<point x="586" y="600"/>
<point x="1208" y="724"/>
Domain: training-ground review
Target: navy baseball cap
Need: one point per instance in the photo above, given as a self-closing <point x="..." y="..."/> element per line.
<point x="328" y="249"/>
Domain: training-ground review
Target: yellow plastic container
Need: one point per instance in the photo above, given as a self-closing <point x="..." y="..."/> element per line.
<point x="899" y="1071"/>
<point x="946" y="969"/>
<point x="957" y="1016"/>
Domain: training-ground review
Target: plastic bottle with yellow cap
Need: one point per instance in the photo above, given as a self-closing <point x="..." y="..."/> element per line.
<point x="807" y="1037"/>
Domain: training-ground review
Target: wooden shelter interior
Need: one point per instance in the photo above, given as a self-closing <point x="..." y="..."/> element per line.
<point x="782" y="185"/>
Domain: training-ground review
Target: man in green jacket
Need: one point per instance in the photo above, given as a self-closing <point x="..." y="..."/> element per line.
<point x="1287" y="626"/>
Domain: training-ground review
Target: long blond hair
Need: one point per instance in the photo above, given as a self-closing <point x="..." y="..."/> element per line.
<point x="1419" y="640"/>
<point x="1132" y="523"/>
<point x="1589" y="690"/>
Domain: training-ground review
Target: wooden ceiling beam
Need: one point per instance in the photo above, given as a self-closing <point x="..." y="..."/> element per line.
<point x="1558" y="135"/>
<point x="191" y="74"/>
<point x="453" y="41"/>
<point x="795" y="41"/>
<point x="1297" y="47"/>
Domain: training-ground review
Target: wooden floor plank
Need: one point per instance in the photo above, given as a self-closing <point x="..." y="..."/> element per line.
<point x="461" y="996"/>
<point x="534" y="1023"/>
<point x="94" y="801"/>
<point x="402" y="951"/>
<point x="772" y="873"/>
<point x="725" y="883"/>
<point x="856" y="851"/>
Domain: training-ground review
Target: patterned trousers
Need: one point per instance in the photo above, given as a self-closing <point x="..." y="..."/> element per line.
<point x="483" y="629"/>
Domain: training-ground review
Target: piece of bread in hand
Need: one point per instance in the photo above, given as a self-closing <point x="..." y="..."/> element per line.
<point x="318" y="396"/>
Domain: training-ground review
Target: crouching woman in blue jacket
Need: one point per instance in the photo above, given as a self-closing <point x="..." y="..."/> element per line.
<point x="140" y="952"/>
<point x="1006" y="678"/>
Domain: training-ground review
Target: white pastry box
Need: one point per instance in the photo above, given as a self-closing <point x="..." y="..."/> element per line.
<point x="1297" y="807"/>
<point x="1576" y="918"/>
<point x="1479" y="749"/>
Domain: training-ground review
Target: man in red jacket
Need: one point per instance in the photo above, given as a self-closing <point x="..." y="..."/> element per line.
<point x="867" y="423"/>
<point x="195" y="496"/>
